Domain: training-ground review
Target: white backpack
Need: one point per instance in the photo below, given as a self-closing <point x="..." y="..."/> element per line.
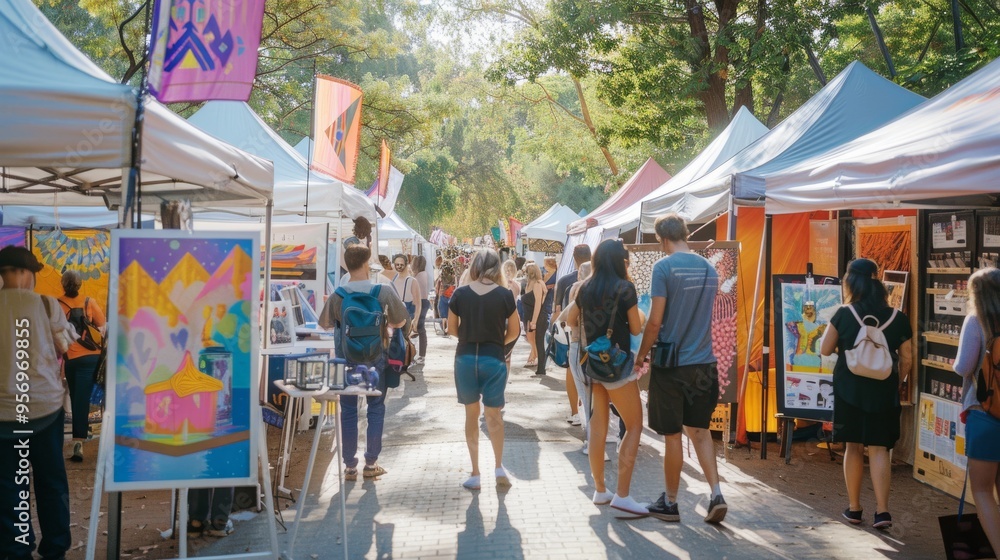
<point x="870" y="357"/>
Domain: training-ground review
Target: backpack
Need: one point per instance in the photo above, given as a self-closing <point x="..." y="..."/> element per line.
<point x="558" y="345"/>
<point x="398" y="358"/>
<point x="88" y="335"/>
<point x="870" y="356"/>
<point x="361" y="327"/>
<point x="988" y="378"/>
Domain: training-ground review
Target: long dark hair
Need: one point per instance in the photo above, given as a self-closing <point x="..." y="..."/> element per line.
<point x="984" y="295"/>
<point x="862" y="289"/>
<point x="608" y="269"/>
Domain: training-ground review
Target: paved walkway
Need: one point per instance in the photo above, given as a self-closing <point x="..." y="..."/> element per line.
<point x="420" y="510"/>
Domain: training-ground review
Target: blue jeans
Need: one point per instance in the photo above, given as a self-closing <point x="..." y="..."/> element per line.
<point x="376" y="421"/>
<point x="48" y="472"/>
<point x="80" y="378"/>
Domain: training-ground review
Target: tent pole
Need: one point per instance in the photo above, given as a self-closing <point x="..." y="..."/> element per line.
<point x="268" y="213"/>
<point x="767" y="339"/>
<point x="742" y="438"/>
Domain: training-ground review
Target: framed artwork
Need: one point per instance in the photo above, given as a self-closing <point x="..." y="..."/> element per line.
<point x="951" y="230"/>
<point x="804" y="377"/>
<point x="86" y="251"/>
<point x="724" y="257"/>
<point x="895" y="284"/>
<point x="299" y="255"/>
<point x="280" y="325"/>
<point x="182" y="358"/>
<point x="15" y="236"/>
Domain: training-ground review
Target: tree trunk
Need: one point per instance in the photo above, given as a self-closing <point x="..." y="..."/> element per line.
<point x="585" y="109"/>
<point x="715" y="68"/>
<point x="744" y="96"/>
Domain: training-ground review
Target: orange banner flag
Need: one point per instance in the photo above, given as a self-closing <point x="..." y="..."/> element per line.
<point x="336" y="128"/>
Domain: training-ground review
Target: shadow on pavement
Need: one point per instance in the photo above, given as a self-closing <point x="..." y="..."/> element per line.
<point x="504" y="541"/>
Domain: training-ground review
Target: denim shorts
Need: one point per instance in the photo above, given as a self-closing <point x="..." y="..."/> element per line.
<point x="480" y="370"/>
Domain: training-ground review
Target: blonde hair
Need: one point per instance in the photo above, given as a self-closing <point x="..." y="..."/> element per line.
<point x="984" y="297"/>
<point x="486" y="264"/>
<point x="532" y="272"/>
<point x="509" y="269"/>
<point x="551" y="262"/>
<point x="585" y="271"/>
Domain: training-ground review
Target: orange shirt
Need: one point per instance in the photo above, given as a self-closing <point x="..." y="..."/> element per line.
<point x="94" y="314"/>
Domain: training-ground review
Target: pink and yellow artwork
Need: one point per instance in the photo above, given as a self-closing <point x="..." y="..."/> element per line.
<point x="183" y="306"/>
<point x="183" y="404"/>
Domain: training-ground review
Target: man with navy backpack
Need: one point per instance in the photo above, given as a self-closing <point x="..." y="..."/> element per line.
<point x="359" y="311"/>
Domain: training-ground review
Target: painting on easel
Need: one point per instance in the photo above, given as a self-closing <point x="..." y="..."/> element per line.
<point x="183" y="349"/>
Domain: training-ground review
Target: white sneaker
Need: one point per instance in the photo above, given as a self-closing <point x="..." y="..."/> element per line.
<point x="574" y="420"/>
<point x="628" y="505"/>
<point x="603" y="498"/>
<point x="419" y="361"/>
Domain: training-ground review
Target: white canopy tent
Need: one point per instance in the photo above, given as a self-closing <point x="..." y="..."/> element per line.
<point x="854" y="103"/>
<point x="742" y="131"/>
<point x="303" y="147"/>
<point x="69" y="217"/>
<point x="297" y="190"/>
<point x="945" y="152"/>
<point x="67" y="131"/>
<point x="551" y="225"/>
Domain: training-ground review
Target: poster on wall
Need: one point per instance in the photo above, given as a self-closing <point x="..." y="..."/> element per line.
<point x="86" y="251"/>
<point x="723" y="255"/>
<point x="940" y="430"/>
<point x="280" y="325"/>
<point x="299" y="253"/>
<point x="824" y="246"/>
<point x="803" y="311"/>
<point x="183" y="350"/>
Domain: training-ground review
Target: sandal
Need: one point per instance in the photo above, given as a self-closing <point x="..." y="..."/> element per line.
<point x="350" y="473"/>
<point x="531" y="364"/>
<point x="373" y="471"/>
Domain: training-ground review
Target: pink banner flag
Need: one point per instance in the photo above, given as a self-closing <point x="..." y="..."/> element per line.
<point x="514" y="230"/>
<point x="337" y="128"/>
<point x="204" y="49"/>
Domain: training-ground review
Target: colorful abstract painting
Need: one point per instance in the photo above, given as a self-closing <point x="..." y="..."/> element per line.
<point x="87" y="251"/>
<point x="204" y="49"/>
<point x="299" y="255"/>
<point x="337" y="122"/>
<point x="12" y="236"/>
<point x="723" y="256"/>
<point x="183" y="349"/>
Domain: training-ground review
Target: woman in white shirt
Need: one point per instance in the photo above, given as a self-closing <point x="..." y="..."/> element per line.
<point x="422" y="285"/>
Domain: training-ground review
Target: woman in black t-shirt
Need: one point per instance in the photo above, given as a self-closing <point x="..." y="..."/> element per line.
<point x="484" y="317"/>
<point x="866" y="411"/>
<point x="595" y="302"/>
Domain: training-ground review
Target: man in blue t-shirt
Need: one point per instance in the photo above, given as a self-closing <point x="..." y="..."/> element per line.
<point x="684" y="383"/>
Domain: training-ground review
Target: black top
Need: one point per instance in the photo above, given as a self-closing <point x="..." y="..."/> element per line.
<point x="596" y="308"/>
<point x="562" y="288"/>
<point x="528" y="301"/>
<point x="483" y="317"/>
<point x="868" y="394"/>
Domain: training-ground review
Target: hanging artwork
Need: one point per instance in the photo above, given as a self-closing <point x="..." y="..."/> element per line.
<point x="545" y="246"/>
<point x="723" y="256"/>
<point x="182" y="359"/>
<point x="805" y="378"/>
<point x="337" y="126"/>
<point x="87" y="251"/>
<point x="12" y="236"/>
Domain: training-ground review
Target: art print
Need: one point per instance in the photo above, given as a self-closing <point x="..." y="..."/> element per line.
<point x="724" y="257"/>
<point x="183" y="352"/>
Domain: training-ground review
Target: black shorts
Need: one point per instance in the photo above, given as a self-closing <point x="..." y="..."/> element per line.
<point x="682" y="396"/>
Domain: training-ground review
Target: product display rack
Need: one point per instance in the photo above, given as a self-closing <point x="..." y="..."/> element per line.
<point x="955" y="244"/>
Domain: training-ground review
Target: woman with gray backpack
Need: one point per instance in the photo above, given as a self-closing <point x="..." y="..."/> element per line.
<point x="866" y="409"/>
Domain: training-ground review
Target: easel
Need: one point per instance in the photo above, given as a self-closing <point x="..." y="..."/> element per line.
<point x="105" y="453"/>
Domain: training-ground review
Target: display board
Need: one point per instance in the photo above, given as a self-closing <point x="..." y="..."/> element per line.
<point x="724" y="256"/>
<point x="802" y="312"/>
<point x="299" y="253"/>
<point x="183" y="349"/>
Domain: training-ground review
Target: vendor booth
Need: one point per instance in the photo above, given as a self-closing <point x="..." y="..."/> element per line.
<point x="547" y="233"/>
<point x="942" y="157"/>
